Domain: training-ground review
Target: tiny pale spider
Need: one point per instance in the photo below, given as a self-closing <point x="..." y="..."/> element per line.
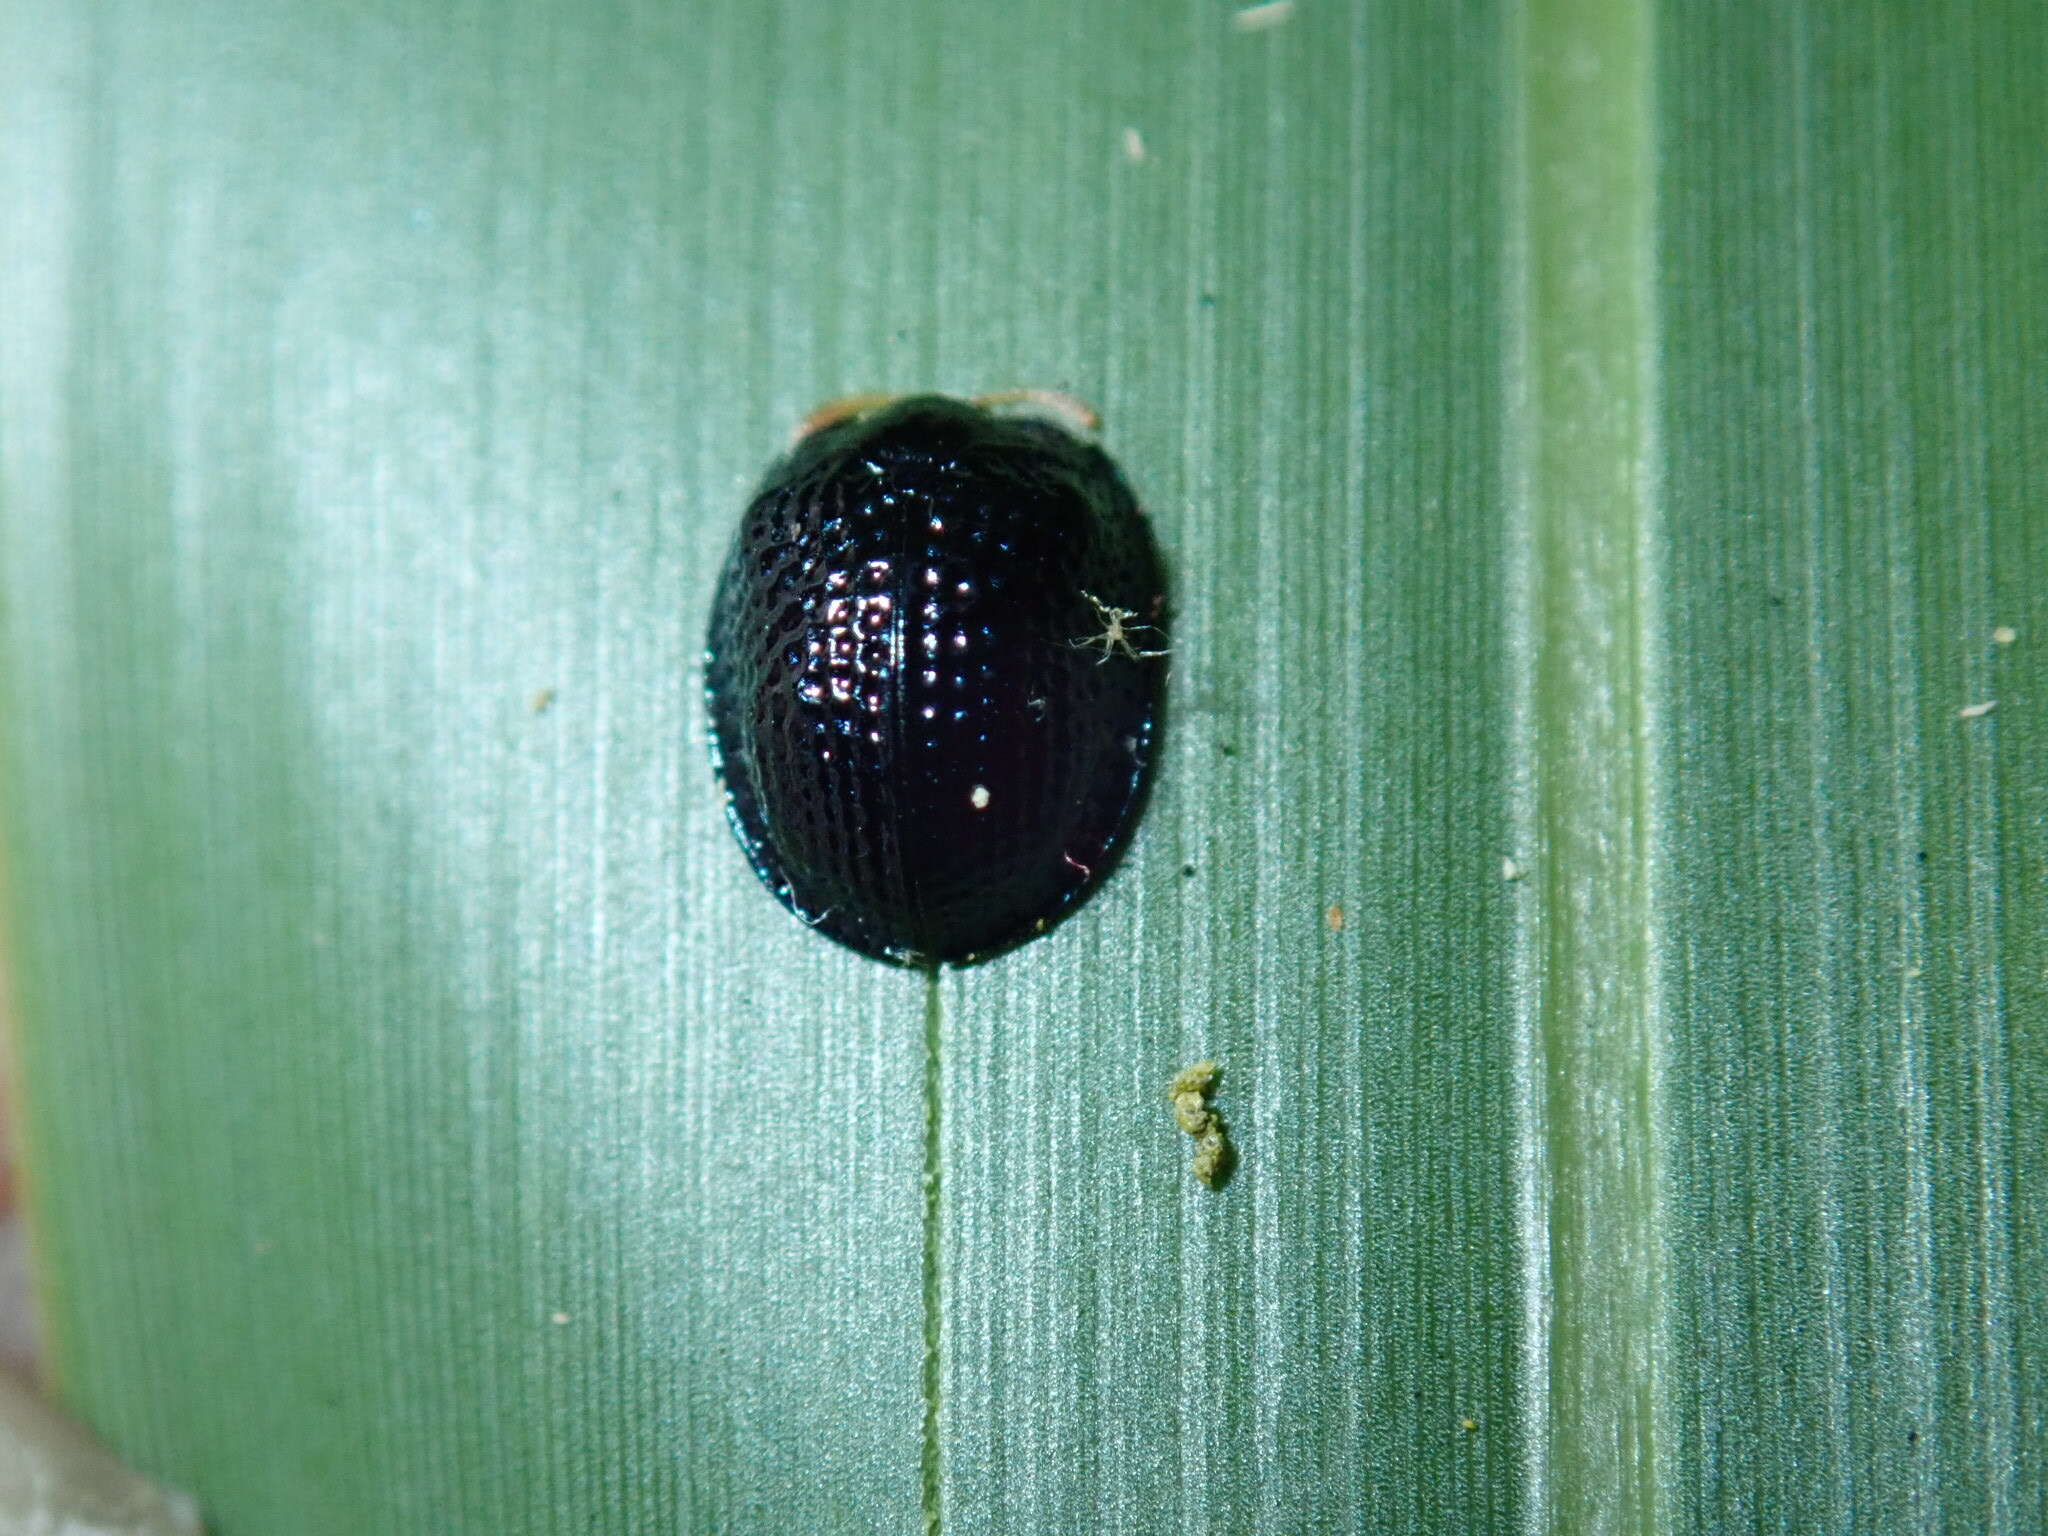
<point x="1116" y="633"/>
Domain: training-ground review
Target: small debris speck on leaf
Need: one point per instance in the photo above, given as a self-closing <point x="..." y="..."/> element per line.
<point x="1134" y="146"/>
<point x="1189" y="1092"/>
<point x="2005" y="634"/>
<point x="1335" y="918"/>
<point x="1261" y="18"/>
<point x="542" y="700"/>
<point x="1511" y="870"/>
<point x="1976" y="711"/>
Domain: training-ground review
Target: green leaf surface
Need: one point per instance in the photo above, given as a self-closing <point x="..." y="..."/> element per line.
<point x="1852" y="937"/>
<point x="1602" y="458"/>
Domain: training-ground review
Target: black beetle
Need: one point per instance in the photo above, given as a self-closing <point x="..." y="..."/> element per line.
<point x="933" y="674"/>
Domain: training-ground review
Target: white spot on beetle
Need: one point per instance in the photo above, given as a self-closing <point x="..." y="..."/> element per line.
<point x="978" y="797"/>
